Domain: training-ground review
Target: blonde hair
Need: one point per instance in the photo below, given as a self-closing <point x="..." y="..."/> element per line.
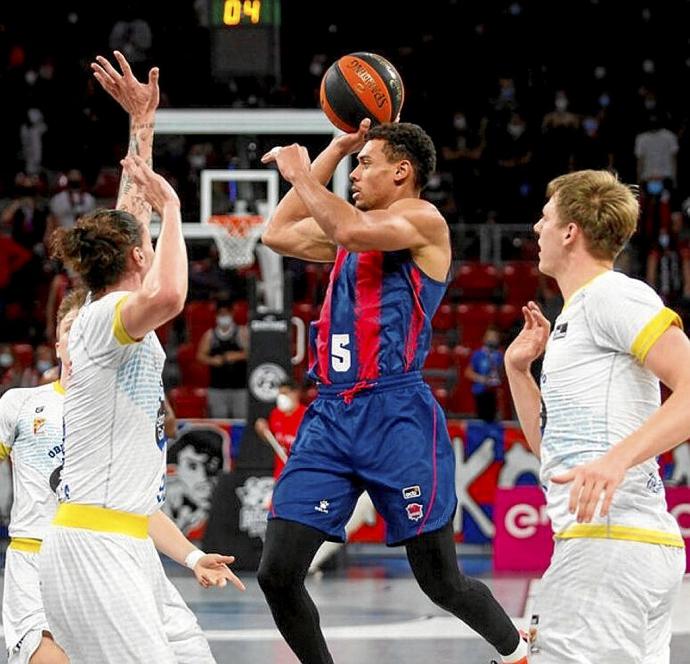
<point x="601" y="205"/>
<point x="74" y="300"/>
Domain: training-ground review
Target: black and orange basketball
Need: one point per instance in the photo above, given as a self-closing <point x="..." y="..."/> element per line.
<point x="358" y="86"/>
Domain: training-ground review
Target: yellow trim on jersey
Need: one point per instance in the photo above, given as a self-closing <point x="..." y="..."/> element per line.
<point x="102" y="519"/>
<point x="57" y="386"/>
<point x="566" y="304"/>
<point x="4" y="451"/>
<point x="651" y="332"/>
<point x="25" y="544"/>
<point x="118" y="328"/>
<point x="628" y="533"/>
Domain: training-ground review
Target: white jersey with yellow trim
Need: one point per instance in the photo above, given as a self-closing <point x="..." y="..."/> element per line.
<point x="114" y="438"/>
<point x="31" y="436"/>
<point x="595" y="392"/>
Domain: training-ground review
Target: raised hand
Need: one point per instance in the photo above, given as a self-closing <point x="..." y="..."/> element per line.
<point x="154" y="188"/>
<point x="531" y="342"/>
<point x="212" y="570"/>
<point x="140" y="100"/>
<point x="350" y="143"/>
<point x="292" y="160"/>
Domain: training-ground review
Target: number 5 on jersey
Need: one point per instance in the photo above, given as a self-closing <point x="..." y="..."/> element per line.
<point x="341" y="357"/>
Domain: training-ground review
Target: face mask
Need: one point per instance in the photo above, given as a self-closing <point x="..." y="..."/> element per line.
<point x="6" y="360"/>
<point x="284" y="403"/>
<point x="561" y="103"/>
<point x="460" y="122"/>
<point x="491" y="345"/>
<point x="604" y="100"/>
<point x="590" y="126"/>
<point x="197" y="160"/>
<point x="74" y="184"/>
<point x="224" y="321"/>
<point x="516" y="130"/>
<point x="43" y="365"/>
<point x="655" y="187"/>
<point x="434" y="181"/>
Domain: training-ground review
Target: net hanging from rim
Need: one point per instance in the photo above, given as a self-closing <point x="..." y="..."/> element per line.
<point x="236" y="236"/>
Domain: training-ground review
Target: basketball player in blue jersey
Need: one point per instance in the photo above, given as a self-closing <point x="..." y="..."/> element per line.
<point x="375" y="425"/>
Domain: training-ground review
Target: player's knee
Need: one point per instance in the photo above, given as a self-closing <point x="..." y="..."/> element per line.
<point x="276" y="578"/>
<point x="451" y="592"/>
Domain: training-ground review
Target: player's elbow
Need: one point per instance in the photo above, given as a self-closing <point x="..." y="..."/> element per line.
<point x="168" y="301"/>
<point x="274" y="240"/>
<point x="348" y="238"/>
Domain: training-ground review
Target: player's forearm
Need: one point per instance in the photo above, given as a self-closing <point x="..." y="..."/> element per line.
<point x="129" y="197"/>
<point x="665" y="429"/>
<point x="527" y="400"/>
<point x="167" y="279"/>
<point x="168" y="538"/>
<point x="335" y="216"/>
<point x="291" y="208"/>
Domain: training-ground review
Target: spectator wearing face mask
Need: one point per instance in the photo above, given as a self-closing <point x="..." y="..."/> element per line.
<point x="283" y="421"/>
<point x="562" y="138"/>
<point x="70" y="203"/>
<point x="485" y="370"/>
<point x="224" y="349"/>
<point x="12" y="374"/>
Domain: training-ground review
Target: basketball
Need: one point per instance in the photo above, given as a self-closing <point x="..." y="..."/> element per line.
<point x="358" y="86"/>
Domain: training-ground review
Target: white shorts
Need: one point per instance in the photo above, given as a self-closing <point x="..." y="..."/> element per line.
<point x="604" y="600"/>
<point x="23" y="617"/>
<point x="108" y="600"/>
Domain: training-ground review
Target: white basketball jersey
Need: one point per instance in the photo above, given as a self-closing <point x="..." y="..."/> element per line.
<point x="31" y="435"/>
<point x="596" y="391"/>
<point x="114" y="438"/>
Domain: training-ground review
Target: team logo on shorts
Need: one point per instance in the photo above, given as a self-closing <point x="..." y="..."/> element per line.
<point x="39" y="409"/>
<point x="415" y="511"/>
<point x="412" y="492"/>
<point x="39" y="423"/>
<point x="322" y="506"/>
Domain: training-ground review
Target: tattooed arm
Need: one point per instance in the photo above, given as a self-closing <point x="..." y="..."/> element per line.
<point x="140" y="100"/>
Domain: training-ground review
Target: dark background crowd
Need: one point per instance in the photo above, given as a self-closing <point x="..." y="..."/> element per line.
<point x="513" y="94"/>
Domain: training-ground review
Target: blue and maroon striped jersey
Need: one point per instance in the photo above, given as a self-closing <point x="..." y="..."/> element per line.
<point x="375" y="320"/>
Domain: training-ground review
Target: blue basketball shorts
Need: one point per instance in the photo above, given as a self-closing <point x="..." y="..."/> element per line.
<point x="388" y="437"/>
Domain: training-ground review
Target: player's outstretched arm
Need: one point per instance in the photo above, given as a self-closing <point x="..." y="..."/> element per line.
<point x="210" y="569"/>
<point x="528" y="346"/>
<point x="668" y="426"/>
<point x="164" y="289"/>
<point x="140" y="100"/>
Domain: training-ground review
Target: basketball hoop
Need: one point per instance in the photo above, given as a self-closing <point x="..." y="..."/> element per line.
<point x="236" y="236"/>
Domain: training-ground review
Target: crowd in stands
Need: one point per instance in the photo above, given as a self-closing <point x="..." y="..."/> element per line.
<point x="509" y="104"/>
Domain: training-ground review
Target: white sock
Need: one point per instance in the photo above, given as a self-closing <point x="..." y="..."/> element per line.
<point x="517" y="654"/>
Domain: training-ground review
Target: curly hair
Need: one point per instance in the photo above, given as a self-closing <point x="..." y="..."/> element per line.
<point x="96" y="247"/>
<point x="605" y="208"/>
<point x="405" y="140"/>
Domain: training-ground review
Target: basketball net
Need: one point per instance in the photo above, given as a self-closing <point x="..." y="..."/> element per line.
<point x="236" y="236"/>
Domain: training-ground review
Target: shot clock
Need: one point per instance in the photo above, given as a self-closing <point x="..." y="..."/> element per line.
<point x="245" y="38"/>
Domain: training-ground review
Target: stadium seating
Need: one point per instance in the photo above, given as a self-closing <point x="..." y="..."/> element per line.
<point x="188" y="401"/>
<point x="193" y="373"/>
<point x="473" y="319"/>
<point x="476" y="281"/>
<point x="520" y="282"/>
<point x="199" y="316"/>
